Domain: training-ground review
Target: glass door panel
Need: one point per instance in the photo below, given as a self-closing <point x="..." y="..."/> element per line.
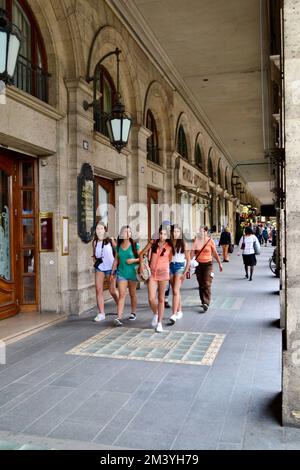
<point x="103" y="198"/>
<point x="5" y="223"/>
<point x="9" y="280"/>
<point x="29" y="236"/>
<point x="105" y="202"/>
<point x="28" y="203"/>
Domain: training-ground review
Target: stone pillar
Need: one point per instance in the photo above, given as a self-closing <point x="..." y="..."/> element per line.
<point x="80" y="124"/>
<point x="138" y="179"/>
<point x="291" y="352"/>
<point x="214" y="202"/>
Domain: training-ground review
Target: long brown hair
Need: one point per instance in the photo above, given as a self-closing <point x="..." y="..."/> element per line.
<point x="180" y="242"/>
<point x="105" y="240"/>
<point x="132" y="242"/>
<point x="168" y="240"/>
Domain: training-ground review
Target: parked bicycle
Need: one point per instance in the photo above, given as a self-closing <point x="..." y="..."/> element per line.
<point x="272" y="262"/>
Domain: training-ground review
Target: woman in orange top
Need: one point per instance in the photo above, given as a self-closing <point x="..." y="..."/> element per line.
<point x="205" y="250"/>
<point x="160" y="253"/>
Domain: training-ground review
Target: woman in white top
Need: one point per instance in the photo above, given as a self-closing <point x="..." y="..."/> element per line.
<point x="179" y="266"/>
<point x="103" y="254"/>
<point x="246" y="244"/>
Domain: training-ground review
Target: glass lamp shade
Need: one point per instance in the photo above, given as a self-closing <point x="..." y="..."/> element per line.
<point x="118" y="126"/>
<point x="10" y="42"/>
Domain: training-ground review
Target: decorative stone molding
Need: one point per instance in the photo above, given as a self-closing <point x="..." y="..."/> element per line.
<point x="19" y="96"/>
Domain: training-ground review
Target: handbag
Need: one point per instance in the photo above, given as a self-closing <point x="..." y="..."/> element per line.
<point x="99" y="260"/>
<point x="231" y="248"/>
<point x="145" y="271"/>
<point x="243" y="245"/>
<point x="256" y="246"/>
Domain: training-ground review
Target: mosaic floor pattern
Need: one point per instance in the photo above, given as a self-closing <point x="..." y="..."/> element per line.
<point x="182" y="347"/>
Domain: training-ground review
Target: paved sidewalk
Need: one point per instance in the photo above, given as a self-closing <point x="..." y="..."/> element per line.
<point x="49" y="397"/>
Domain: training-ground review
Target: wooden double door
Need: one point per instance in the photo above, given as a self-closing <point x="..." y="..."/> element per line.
<point x="18" y="234"/>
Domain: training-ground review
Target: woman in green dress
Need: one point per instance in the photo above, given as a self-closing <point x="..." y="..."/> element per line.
<point x="124" y="266"/>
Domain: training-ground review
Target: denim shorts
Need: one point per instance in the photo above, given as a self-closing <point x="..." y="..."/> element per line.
<point x="120" y="278"/>
<point x="106" y="273"/>
<point x="177" y="268"/>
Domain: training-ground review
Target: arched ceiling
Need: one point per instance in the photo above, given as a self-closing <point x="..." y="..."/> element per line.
<point x="215" y="47"/>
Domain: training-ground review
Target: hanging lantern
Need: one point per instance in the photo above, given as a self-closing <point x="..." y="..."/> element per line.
<point x="10" y="42"/>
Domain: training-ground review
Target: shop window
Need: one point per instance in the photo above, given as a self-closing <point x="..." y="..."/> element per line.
<point x="31" y="73"/>
<point x="152" y="141"/>
<point x="181" y="143"/>
<point x="105" y="86"/>
<point x="198" y="157"/>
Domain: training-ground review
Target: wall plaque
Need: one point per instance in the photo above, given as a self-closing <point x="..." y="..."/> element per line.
<point x="86" y="203"/>
<point x="46" y="231"/>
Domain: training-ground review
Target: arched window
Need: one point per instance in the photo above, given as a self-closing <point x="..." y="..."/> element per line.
<point x="104" y="85"/>
<point x="181" y="143"/>
<point x="31" y="73"/>
<point x="228" y="182"/>
<point x="152" y="141"/>
<point x="198" y="157"/>
<point x="210" y="169"/>
<point x="220" y="174"/>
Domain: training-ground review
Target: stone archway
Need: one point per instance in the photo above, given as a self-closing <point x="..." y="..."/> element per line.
<point x="184" y="122"/>
<point x="157" y="100"/>
<point x="105" y="40"/>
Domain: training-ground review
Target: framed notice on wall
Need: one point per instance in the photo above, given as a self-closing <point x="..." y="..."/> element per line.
<point x="86" y="203"/>
<point x="65" y="236"/>
<point x="46" y="229"/>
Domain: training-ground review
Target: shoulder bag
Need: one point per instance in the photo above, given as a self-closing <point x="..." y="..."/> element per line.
<point x="256" y="246"/>
<point x="99" y="260"/>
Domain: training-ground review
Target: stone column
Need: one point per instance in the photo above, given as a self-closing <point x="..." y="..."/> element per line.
<point x="80" y="125"/>
<point x="291" y="352"/>
<point x="137" y="178"/>
<point x="214" y="202"/>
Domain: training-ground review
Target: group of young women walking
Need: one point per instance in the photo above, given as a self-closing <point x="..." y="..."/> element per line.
<point x="168" y="256"/>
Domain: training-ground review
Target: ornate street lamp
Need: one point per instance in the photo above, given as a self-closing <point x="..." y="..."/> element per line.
<point x="117" y="122"/>
<point x="10" y="42"/>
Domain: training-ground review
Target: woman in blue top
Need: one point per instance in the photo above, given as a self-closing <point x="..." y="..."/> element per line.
<point x="126" y="259"/>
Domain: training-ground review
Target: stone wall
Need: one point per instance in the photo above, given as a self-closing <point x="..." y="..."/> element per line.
<point x="291" y="355"/>
<point x="55" y="132"/>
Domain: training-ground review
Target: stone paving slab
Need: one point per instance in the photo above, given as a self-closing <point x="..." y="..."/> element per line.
<point x="95" y="402"/>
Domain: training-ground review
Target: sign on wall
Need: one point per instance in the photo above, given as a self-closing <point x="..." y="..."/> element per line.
<point x="190" y="177"/>
<point x="86" y="203"/>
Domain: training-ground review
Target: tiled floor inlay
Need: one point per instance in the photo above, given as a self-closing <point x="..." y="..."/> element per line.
<point x="183" y="347"/>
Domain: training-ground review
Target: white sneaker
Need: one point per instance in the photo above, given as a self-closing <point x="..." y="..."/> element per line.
<point x="173" y="318"/>
<point x="179" y="315"/>
<point x="159" y="328"/>
<point x="154" y="321"/>
<point x="99" y="317"/>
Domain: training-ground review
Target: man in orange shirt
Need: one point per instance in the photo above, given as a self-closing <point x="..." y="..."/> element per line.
<point x="205" y="250"/>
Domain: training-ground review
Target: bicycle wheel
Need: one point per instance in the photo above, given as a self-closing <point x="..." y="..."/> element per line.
<point x="272" y="265"/>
